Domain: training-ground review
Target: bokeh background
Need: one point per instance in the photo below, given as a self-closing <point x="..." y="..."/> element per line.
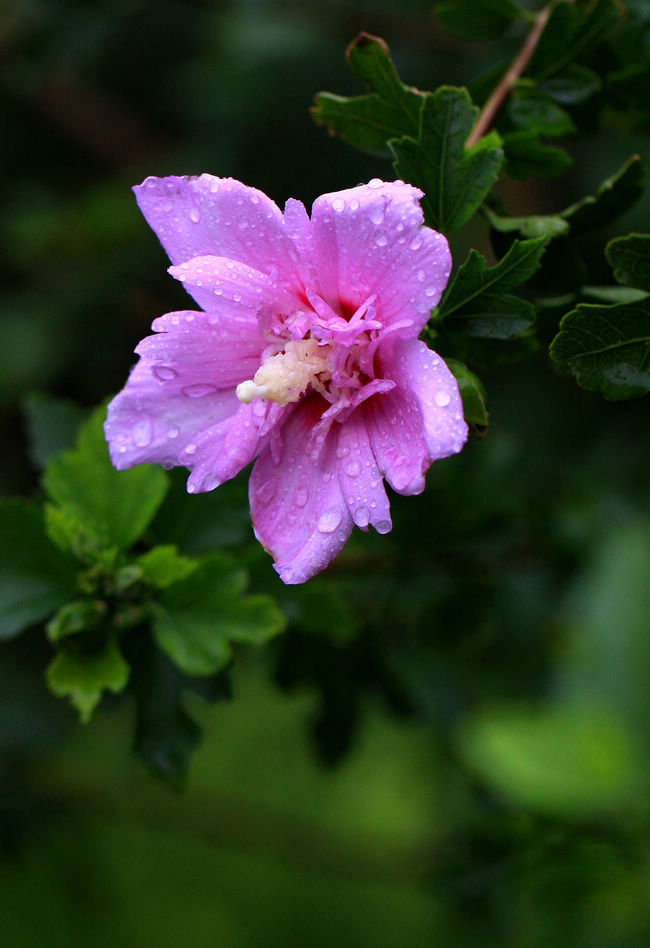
<point x="449" y="745"/>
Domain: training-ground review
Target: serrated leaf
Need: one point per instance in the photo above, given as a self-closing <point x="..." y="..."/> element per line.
<point x="84" y="677"/>
<point x="367" y="122"/>
<point x="115" y="506"/>
<point x="570" y="761"/>
<point x="455" y="179"/>
<point x="472" y="392"/>
<point x="531" y="109"/>
<point x="527" y="155"/>
<point x="614" y="197"/>
<point x="35" y="579"/>
<point x="536" y="225"/>
<point x="475" y="279"/>
<point x="607" y="348"/>
<point x="477" y="19"/>
<point x="629" y="258"/>
<point x="573" y="85"/>
<point x="52" y="425"/>
<point x="164" y="565"/>
<point x="197" y="618"/>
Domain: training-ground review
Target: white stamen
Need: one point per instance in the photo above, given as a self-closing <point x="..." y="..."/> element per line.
<point x="284" y="377"/>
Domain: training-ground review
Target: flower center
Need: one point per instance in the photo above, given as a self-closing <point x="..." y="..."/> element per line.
<point x="285" y="376"/>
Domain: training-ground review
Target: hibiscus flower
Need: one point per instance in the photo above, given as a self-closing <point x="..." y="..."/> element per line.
<point x="304" y="356"/>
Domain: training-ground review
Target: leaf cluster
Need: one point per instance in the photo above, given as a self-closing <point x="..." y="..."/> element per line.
<point x="122" y="612"/>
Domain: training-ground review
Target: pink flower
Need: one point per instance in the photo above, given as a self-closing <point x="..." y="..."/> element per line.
<point x="304" y="356"/>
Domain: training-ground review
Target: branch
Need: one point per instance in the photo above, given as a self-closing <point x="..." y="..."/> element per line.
<point x="517" y="68"/>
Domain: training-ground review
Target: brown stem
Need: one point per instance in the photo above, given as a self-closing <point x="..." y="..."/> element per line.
<point x="517" y="67"/>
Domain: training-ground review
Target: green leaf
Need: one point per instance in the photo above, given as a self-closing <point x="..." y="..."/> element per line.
<point x="607" y="348"/>
<point x="573" y="85"/>
<point x="495" y="316"/>
<point x="70" y="535"/>
<point x="81" y="615"/>
<point x="474" y="279"/>
<point x="477" y="19"/>
<point x="536" y="225"/>
<point x="52" y="425"/>
<point x="531" y="109"/>
<point x="164" y="565"/>
<point x="614" y="197"/>
<point x="455" y="179"/>
<point x="115" y="506"/>
<point x="629" y="258"/>
<point x="526" y="155"/>
<point x="367" y="122"/>
<point x="575" y="762"/>
<point x="197" y="618"/>
<point x="35" y="580"/>
<point x="84" y="677"/>
<point x="572" y="30"/>
<point x="613" y="294"/>
<point x="472" y="392"/>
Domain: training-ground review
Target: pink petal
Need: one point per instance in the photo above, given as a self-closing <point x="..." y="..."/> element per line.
<point x="359" y="477"/>
<point x="431" y="398"/>
<point x="196" y="217"/>
<point x="182" y="385"/>
<point x="298" y="509"/>
<point x="371" y="240"/>
<point x="218" y="282"/>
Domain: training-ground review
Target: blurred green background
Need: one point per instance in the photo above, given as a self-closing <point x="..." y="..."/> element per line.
<point x="450" y="744"/>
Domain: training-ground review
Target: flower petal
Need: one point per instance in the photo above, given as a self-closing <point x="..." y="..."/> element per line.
<point x="424" y="380"/>
<point x="183" y="384"/>
<point x="359" y="477"/>
<point x="371" y="240"/>
<point x="297" y="506"/>
<point x="195" y="217"/>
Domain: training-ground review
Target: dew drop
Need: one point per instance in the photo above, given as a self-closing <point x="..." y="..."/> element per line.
<point x="353" y="469"/>
<point x="381" y="239"/>
<point x="375" y="183"/>
<point x="195" y="215"/>
<point x="442" y="398"/>
<point x="242" y="223"/>
<point x="354" y="205"/>
<point x="421" y="276"/>
<point x="338" y="205"/>
<point x="329" y="520"/>
<point x="416" y="243"/>
<point x="362" y="516"/>
<point x="190" y="448"/>
<point x="237" y="297"/>
<point x="198" y="391"/>
<point x="383" y="526"/>
<point x="430" y="290"/>
<point x="173" y="432"/>
<point x="342" y="452"/>
<point x="377" y="215"/>
<point x="142" y="433"/>
<point x="302" y="495"/>
<point x="164" y="372"/>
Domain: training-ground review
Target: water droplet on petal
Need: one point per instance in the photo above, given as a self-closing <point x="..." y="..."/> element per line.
<point x="338" y="205"/>
<point x="198" y="391"/>
<point x="329" y="520"/>
<point x="142" y="433"/>
<point x="442" y="398"/>
<point x="342" y="452"/>
<point x="377" y="215"/>
<point x="173" y="432"/>
<point x="301" y="497"/>
<point x="383" y="526"/>
<point x="242" y="223"/>
<point x="416" y="243"/>
<point x="375" y="183"/>
<point x="362" y="517"/>
<point x="430" y="290"/>
<point x="352" y="469"/>
<point x="164" y="372"/>
<point x="190" y="448"/>
<point x="381" y="239"/>
<point x="195" y="215"/>
<point x="422" y="276"/>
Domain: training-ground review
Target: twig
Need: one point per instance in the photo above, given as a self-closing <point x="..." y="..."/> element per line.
<point x="517" y="67"/>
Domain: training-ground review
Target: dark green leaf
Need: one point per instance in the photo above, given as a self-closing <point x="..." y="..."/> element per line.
<point x="52" y="425"/>
<point x="607" y="348"/>
<point x="115" y="506"/>
<point x="614" y="197"/>
<point x="571" y="761"/>
<point x="573" y="85"/>
<point x="477" y="19"/>
<point x="629" y="258"/>
<point x="472" y="392"/>
<point x="474" y="278"/>
<point x="84" y="677"/>
<point x="198" y="617"/>
<point x="531" y="109"/>
<point x="526" y="156"/>
<point x="35" y="579"/>
<point x="571" y="31"/>
<point x="163" y="565"/>
<point x="495" y="316"/>
<point x="390" y="111"/>
<point x="455" y="179"/>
